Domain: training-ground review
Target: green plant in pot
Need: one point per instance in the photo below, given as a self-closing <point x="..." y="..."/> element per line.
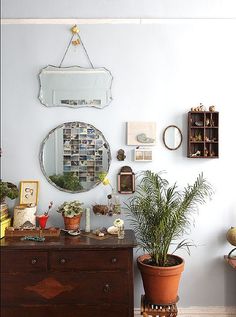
<point x="71" y="212"/>
<point x="9" y="190"/>
<point x="160" y="215"/>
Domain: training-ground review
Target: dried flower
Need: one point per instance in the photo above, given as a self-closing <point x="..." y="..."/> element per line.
<point x="49" y="207"/>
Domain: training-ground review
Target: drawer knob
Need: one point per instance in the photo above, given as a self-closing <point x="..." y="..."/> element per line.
<point x="33" y="261"/>
<point x="62" y="261"/>
<point x="106" y="288"/>
<point x="114" y="260"/>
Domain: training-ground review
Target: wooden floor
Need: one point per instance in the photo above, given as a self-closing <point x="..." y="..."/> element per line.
<point x="201" y="312"/>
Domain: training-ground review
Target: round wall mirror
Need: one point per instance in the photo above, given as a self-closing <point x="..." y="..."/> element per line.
<point x="172" y="137"/>
<point x="73" y="156"/>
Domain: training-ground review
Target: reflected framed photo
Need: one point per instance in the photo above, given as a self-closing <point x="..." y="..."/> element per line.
<point x="29" y="192"/>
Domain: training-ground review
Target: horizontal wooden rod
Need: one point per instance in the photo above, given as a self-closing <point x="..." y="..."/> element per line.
<point x="111" y="21"/>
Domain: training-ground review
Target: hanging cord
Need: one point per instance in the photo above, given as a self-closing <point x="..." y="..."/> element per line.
<point x="66" y="51"/>
<point x="75" y="31"/>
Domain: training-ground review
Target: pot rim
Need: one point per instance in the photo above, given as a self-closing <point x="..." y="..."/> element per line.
<point x="141" y="258"/>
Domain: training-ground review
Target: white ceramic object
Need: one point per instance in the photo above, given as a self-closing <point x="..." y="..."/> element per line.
<point x="112" y="230"/>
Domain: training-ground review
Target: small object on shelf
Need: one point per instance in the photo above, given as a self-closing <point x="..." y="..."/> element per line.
<point x="121" y="155"/>
<point x="42" y="220"/>
<point x="116" y="206"/>
<point x="101" y="232"/>
<point x="207" y="122"/>
<point x="119" y="223"/>
<point x="198" y="137"/>
<point x="198" y="153"/>
<point x="199" y="123"/>
<point x="206" y="152"/>
<point x="33" y="238"/>
<point x="87" y="219"/>
<point x="231" y="236"/>
<point x="212" y="108"/>
<point x="198" y="108"/>
<point x="4" y="225"/>
<point x="112" y="230"/>
<point x="100" y="209"/>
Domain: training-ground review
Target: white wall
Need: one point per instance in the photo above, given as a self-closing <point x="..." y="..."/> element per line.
<point x="160" y="71"/>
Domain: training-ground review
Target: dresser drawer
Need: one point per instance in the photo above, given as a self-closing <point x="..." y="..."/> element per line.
<point x="23" y="261"/>
<point x="89" y="260"/>
<point x="72" y="310"/>
<point x="91" y="288"/>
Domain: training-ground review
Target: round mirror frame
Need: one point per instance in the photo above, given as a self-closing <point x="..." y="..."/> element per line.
<point x="42" y="165"/>
<point x="181" y="137"/>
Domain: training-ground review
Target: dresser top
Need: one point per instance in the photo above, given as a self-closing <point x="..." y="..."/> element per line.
<point x="83" y="241"/>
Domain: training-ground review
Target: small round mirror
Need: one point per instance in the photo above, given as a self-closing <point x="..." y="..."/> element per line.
<point x="73" y="155"/>
<point x="172" y="137"/>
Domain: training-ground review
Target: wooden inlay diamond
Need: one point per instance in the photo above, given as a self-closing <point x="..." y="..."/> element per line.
<point x="49" y="288"/>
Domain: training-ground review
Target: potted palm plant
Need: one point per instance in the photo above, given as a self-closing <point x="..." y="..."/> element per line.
<point x="160" y="215"/>
<point x="71" y="212"/>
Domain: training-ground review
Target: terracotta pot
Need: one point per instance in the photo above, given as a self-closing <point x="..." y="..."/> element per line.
<point x="72" y="223"/>
<point x="160" y="283"/>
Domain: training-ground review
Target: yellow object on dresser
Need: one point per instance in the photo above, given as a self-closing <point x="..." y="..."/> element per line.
<point x="5" y="224"/>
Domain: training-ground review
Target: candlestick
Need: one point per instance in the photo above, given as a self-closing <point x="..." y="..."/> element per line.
<point x="87" y="219"/>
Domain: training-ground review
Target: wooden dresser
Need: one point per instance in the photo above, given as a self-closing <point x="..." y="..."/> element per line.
<point x="68" y="277"/>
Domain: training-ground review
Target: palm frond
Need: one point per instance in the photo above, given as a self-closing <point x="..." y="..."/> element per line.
<point x="160" y="214"/>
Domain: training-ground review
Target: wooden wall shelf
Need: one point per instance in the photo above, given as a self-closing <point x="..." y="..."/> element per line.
<point x="203" y="134"/>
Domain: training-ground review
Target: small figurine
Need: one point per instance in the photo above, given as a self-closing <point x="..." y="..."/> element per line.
<point x="121" y="155"/>
<point x="197" y="153"/>
<point x="199" y="108"/>
<point x="212" y="108"/>
<point x="206" y="152"/>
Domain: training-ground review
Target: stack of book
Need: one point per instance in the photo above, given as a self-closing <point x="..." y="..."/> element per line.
<point x="5" y="219"/>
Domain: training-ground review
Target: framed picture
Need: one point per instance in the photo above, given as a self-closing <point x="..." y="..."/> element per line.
<point x="29" y="192"/>
<point x="143" y="155"/>
<point x="126" y="181"/>
<point x="141" y="133"/>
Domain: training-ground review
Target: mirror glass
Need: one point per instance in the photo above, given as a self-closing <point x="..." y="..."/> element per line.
<point x="172" y="137"/>
<point x="75" y="87"/>
<point x="73" y="155"/>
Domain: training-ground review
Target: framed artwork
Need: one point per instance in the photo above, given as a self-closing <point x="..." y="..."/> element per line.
<point x="143" y="155"/>
<point x="29" y="192"/>
<point x="141" y="133"/>
<point x="126" y="181"/>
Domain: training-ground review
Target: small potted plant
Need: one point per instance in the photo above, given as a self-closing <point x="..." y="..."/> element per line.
<point x="71" y="212"/>
<point x="8" y="190"/>
<point x="161" y="215"/>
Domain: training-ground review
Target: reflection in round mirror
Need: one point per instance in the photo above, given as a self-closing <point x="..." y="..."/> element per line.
<point x="172" y="137"/>
<point x="73" y="156"/>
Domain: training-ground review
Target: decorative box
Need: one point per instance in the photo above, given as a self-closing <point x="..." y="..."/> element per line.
<point x="4" y="224"/>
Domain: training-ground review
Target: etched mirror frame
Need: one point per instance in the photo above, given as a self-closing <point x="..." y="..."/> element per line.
<point x="75" y="87"/>
<point x="74" y="153"/>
